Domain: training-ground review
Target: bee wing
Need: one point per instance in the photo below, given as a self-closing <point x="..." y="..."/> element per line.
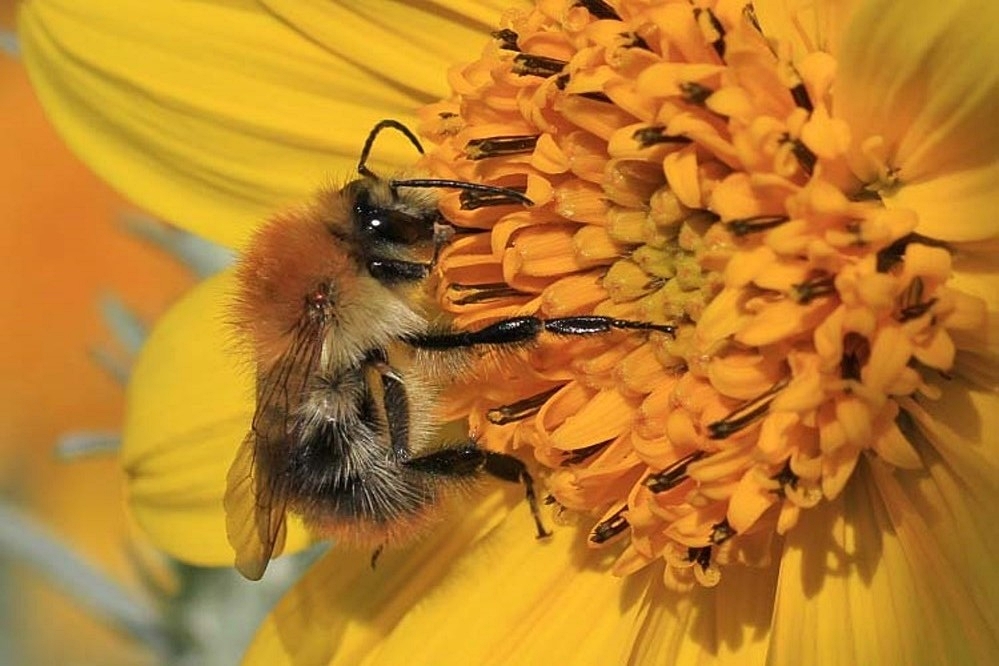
<point x="254" y="513"/>
<point x="256" y="496"/>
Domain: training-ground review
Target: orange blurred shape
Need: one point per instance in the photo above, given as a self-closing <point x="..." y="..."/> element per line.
<point x="62" y="249"/>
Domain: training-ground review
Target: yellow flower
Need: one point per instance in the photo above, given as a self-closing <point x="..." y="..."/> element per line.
<point x="804" y="472"/>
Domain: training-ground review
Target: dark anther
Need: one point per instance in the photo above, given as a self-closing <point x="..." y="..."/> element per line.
<point x="786" y="478"/>
<point x="750" y="412"/>
<point x="526" y="64"/>
<point x="610" y="528"/>
<point x="718" y="43"/>
<point x="752" y="225"/>
<point x="507" y="39"/>
<point x="856" y="351"/>
<point x="673" y="475"/>
<point x="806" y="158"/>
<point x="480" y="293"/>
<point x="912" y="304"/>
<point x="749" y="12"/>
<point x="521" y="409"/>
<point x="916" y="311"/>
<point x="721" y="532"/>
<point x="799" y="94"/>
<point x="599" y="9"/>
<point x="473" y="200"/>
<point x="892" y="255"/>
<point x="695" y="93"/>
<point x="701" y="556"/>
<point x="596" y="97"/>
<point x="498" y="146"/>
<point x="650" y="136"/>
<point x="636" y="41"/>
<point x="806" y="292"/>
<point x="579" y="455"/>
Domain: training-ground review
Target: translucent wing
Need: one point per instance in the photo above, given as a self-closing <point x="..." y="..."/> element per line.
<point x="256" y="496"/>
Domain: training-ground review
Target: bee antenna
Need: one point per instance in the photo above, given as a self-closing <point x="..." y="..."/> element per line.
<point x="462" y="185"/>
<point x="362" y="167"/>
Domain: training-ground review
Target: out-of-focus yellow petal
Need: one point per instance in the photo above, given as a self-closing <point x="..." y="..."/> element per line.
<point x="403" y="45"/>
<point x="189" y="405"/>
<point x="856" y="588"/>
<point x="341" y="610"/>
<point x="924" y="76"/>
<point x="214" y="116"/>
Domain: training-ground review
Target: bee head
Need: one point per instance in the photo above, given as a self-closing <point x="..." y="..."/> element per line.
<point x="382" y="217"/>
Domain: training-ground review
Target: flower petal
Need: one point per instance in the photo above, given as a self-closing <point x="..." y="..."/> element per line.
<point x="342" y="610"/>
<point x="189" y="406"/>
<point x="397" y="42"/>
<point x="214" y="116"/>
<point x="855" y="588"/>
<point x="727" y="624"/>
<point x="924" y="76"/>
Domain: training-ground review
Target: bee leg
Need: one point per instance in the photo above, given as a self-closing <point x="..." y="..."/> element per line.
<point x="396" y="404"/>
<point x="467" y="460"/>
<point x="394" y="271"/>
<point x="519" y="330"/>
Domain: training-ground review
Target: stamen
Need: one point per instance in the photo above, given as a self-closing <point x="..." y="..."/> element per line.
<point x="786" y="478"/>
<point x="650" y="136"/>
<point x="713" y="30"/>
<point x="610" y="528"/>
<point x="913" y="305"/>
<point x="756" y="224"/>
<point x="596" y="97"/>
<point x="473" y="200"/>
<point x="806" y="158"/>
<point x="806" y="292"/>
<point x="695" y="93"/>
<point x="598" y="9"/>
<point x="673" y="475"/>
<point x="521" y="409"/>
<point x="701" y="556"/>
<point x="799" y="94"/>
<point x="507" y="39"/>
<point x="749" y="13"/>
<point x="526" y="64"/>
<point x="500" y="146"/>
<point x="721" y="532"/>
<point x="856" y="351"/>
<point x="746" y="415"/>
<point x="892" y="255"/>
<point x="480" y="293"/>
<point x="580" y="455"/>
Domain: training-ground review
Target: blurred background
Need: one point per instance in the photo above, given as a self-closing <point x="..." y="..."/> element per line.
<point x="82" y="276"/>
<point x="64" y="251"/>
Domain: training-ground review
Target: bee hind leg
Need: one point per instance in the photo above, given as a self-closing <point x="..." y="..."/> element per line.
<point x="467" y="460"/>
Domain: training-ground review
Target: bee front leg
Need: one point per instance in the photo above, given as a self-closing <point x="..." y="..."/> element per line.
<point x="395" y="271"/>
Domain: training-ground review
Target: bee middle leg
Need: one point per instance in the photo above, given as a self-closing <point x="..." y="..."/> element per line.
<point x="520" y="330"/>
<point x="469" y="460"/>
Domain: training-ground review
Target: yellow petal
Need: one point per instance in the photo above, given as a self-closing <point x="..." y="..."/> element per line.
<point x="727" y="624"/>
<point x="342" y="610"/>
<point x="190" y="401"/>
<point x="214" y="116"/>
<point x="924" y="76"/>
<point x="852" y="590"/>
